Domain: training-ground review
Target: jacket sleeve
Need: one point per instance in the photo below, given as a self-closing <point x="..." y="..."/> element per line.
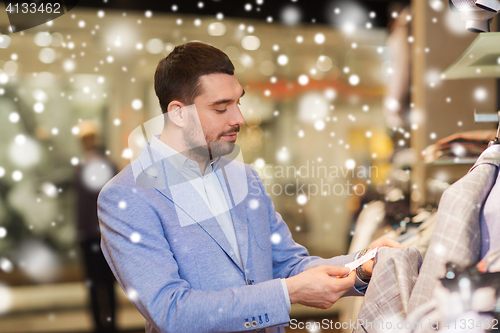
<point x="137" y="251"/>
<point x="290" y="258"/>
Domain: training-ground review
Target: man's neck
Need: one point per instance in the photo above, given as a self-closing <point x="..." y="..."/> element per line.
<point x="173" y="142"/>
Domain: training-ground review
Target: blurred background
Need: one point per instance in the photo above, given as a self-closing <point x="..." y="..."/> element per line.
<point x="342" y="99"/>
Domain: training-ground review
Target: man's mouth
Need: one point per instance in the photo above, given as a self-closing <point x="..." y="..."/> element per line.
<point x="229" y="137"/>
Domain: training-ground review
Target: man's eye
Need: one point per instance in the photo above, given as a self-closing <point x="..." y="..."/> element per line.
<point x="220" y="110"/>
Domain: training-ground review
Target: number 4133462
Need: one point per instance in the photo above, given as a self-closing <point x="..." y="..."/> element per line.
<point x="33" y="8"/>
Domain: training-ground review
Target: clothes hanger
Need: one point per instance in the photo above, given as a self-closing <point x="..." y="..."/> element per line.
<point x="496" y="141"/>
<point x="490" y="118"/>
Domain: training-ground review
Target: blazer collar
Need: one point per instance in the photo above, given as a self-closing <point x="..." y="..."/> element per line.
<point x="490" y="156"/>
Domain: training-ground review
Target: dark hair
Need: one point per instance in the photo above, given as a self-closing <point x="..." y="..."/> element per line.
<point x="177" y="77"/>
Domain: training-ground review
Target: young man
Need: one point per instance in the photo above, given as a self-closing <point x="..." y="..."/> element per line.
<point x="192" y="237"/>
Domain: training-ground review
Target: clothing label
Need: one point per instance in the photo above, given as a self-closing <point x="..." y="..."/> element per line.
<point x="360" y="261"/>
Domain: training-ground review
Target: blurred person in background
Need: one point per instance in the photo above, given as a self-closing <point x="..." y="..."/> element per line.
<point x="93" y="172"/>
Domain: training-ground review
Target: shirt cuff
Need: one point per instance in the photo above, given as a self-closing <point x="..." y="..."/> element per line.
<point x="360" y="285"/>
<point x="287" y="296"/>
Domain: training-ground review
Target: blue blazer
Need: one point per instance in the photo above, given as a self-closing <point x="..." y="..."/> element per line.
<point x="174" y="261"/>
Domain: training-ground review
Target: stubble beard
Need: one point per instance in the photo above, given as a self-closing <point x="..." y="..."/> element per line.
<point x="210" y="148"/>
<point x="220" y="148"/>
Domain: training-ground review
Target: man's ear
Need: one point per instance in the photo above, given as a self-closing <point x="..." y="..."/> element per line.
<point x="175" y="113"/>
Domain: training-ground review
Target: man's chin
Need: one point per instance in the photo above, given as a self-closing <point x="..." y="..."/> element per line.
<point x="220" y="148"/>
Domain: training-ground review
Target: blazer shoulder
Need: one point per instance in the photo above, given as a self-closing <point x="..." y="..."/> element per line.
<point x="124" y="178"/>
<point x="251" y="172"/>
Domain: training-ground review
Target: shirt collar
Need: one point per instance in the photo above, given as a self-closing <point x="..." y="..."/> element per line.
<point x="173" y="156"/>
<point x="178" y="160"/>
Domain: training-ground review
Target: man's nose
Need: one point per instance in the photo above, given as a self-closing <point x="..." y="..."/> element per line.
<point x="237" y="117"/>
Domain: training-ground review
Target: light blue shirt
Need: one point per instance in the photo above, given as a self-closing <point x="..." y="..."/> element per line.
<point x="210" y="190"/>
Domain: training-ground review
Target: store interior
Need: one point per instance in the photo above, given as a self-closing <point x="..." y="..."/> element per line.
<point x="342" y="116"/>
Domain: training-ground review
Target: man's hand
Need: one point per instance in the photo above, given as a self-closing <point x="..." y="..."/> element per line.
<point x="386" y="241"/>
<point x="321" y="286"/>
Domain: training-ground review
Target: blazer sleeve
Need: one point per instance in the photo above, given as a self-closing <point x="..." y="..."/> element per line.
<point x="139" y="255"/>
<point x="290" y="258"/>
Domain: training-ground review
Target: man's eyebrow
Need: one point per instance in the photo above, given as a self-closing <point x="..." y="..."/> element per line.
<point x="225" y="101"/>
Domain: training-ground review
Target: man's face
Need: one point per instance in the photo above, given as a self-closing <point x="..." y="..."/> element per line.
<point x="218" y="112"/>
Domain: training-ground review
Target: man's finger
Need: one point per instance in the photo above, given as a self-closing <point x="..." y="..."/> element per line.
<point x="347" y="282"/>
<point x="337" y="270"/>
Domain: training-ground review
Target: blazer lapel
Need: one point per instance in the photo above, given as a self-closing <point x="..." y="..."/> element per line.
<point x="232" y="177"/>
<point x="189" y="205"/>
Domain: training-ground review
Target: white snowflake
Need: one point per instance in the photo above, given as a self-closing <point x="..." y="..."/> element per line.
<point x="259" y="163"/>
<point x="132" y="294"/>
<point x="253" y="204"/>
<point x="319" y="125"/>
<point x="136" y="104"/>
<point x="354" y="80"/>
<point x="275" y="238"/>
<point x="38" y="107"/>
<point x="350" y="164"/>
<point x="480" y="94"/>
<point x="301" y="199"/>
<point x="17" y="175"/>
<point x="303" y="80"/>
<point x="135" y="237"/>
<point x="319" y="38"/>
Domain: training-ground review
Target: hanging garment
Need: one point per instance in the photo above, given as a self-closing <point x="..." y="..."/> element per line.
<point x="444" y="313"/>
<point x="456" y="237"/>
<point x="398" y="89"/>
<point x="490" y="217"/>
<point x="463" y="302"/>
<point x="421" y="237"/>
<point x="368" y="222"/>
<point x="395" y="272"/>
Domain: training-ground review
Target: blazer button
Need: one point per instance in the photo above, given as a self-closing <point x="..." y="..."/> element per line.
<point x="254" y="323"/>
<point x="247" y="324"/>
<point x="249" y="281"/>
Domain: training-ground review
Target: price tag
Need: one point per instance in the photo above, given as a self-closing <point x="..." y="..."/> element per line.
<point x="360" y="261"/>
